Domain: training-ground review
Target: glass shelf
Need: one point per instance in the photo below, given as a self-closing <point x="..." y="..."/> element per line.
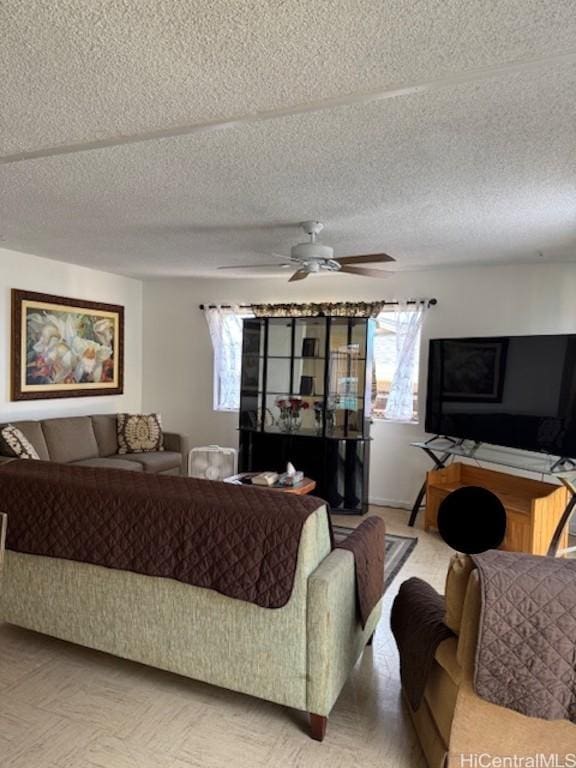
<point x="295" y="395"/>
<point x="296" y="357"/>
<point x="341" y="396"/>
<point x="542" y="464"/>
<point x="309" y="357"/>
<point x="306" y="433"/>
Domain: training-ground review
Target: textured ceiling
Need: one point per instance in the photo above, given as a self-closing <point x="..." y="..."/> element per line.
<point x="480" y="167"/>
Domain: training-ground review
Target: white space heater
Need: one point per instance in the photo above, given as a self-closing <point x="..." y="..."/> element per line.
<point x="212" y="462"/>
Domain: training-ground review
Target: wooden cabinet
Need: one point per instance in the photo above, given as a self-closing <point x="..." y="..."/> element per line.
<point x="533" y="508"/>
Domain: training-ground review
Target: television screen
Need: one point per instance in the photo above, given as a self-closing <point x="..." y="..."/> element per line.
<point x="515" y="391"/>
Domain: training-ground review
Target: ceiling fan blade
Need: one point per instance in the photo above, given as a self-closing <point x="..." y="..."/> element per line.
<point x="302" y="274"/>
<point x="366" y="272"/>
<point x="285" y="258"/>
<point x="254" y="266"/>
<point x="366" y="258"/>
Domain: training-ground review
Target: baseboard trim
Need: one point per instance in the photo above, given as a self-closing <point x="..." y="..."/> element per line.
<point x="377" y="502"/>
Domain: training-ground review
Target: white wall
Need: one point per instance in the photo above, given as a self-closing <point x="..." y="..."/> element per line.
<point x="172" y="373"/>
<point x="18" y="270"/>
<point x="471" y="301"/>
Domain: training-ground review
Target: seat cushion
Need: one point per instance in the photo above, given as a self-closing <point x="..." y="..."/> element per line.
<point x="106" y="433"/>
<point x="32" y="431"/>
<point x="70" y="439"/>
<point x="155" y="461"/>
<point x="109" y="463"/>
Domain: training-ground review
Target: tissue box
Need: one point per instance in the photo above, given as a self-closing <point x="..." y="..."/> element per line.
<point x="291" y="480"/>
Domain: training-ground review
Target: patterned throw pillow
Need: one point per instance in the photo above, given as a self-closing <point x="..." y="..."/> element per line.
<point x="14" y="443"/>
<point x="139" y="433"/>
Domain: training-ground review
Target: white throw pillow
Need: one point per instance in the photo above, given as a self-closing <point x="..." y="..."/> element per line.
<point x="14" y="443"/>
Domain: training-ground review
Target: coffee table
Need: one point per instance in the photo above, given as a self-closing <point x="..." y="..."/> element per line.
<point x="306" y="485"/>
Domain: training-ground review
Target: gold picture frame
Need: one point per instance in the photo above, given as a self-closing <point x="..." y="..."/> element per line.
<point x="64" y="347"/>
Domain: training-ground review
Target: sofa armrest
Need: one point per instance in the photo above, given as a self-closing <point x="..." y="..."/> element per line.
<point x="335" y="637"/>
<point x="3" y="528"/>
<point x="179" y="444"/>
<point x="468" y="639"/>
<point x="459" y="571"/>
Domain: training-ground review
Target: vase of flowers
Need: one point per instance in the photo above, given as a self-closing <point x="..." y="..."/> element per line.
<point x="318" y="409"/>
<point x="331" y="406"/>
<point x="290" y="418"/>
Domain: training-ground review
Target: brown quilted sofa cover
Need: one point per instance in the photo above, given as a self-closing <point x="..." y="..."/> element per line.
<point x="240" y="541"/>
<point x="526" y="651"/>
<point x="453" y="722"/>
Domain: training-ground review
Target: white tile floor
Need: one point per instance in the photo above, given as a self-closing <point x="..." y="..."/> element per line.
<point x="62" y="706"/>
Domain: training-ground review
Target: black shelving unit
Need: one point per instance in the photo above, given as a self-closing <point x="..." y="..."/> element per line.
<point x="325" y="363"/>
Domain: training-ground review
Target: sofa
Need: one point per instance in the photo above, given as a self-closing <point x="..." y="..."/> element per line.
<point x="91" y="441"/>
<point x="299" y="655"/>
<point x="452" y="722"/>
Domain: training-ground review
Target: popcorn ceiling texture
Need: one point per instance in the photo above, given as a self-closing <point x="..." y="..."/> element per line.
<point x="479" y="172"/>
<point x="106" y="67"/>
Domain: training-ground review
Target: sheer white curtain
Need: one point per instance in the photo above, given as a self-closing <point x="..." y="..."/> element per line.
<point x="225" y="325"/>
<point x="409" y="319"/>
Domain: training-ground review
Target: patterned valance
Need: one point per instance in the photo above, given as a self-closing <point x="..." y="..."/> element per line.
<point x="328" y="309"/>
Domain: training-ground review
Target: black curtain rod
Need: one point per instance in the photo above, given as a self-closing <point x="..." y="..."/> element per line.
<point x="431" y="303"/>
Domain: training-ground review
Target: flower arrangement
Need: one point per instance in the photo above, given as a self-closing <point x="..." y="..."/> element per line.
<point x="293" y="404"/>
<point x="318" y="409"/>
<point x="291" y="412"/>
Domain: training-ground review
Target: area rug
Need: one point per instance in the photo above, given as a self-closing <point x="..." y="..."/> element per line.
<point x="398" y="550"/>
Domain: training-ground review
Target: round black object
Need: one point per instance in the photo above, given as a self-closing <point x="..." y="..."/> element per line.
<point x="472" y="520"/>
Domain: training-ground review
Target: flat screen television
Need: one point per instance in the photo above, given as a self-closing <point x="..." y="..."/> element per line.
<point x="514" y="391"/>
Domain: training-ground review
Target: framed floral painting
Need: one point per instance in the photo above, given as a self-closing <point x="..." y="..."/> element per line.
<point x="65" y="347"/>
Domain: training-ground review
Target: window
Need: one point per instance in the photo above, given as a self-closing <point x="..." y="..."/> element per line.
<point x="396" y="358"/>
<point x="225" y="326"/>
<point x="396" y="365"/>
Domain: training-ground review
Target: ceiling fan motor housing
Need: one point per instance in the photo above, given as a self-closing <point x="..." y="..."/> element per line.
<point x="309" y="252"/>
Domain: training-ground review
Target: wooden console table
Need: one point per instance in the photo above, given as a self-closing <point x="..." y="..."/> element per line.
<point x="533" y="508"/>
<point x="538" y="512"/>
<point x="305" y="486"/>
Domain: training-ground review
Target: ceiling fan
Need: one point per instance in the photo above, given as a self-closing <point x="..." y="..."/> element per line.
<point x="312" y="257"/>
